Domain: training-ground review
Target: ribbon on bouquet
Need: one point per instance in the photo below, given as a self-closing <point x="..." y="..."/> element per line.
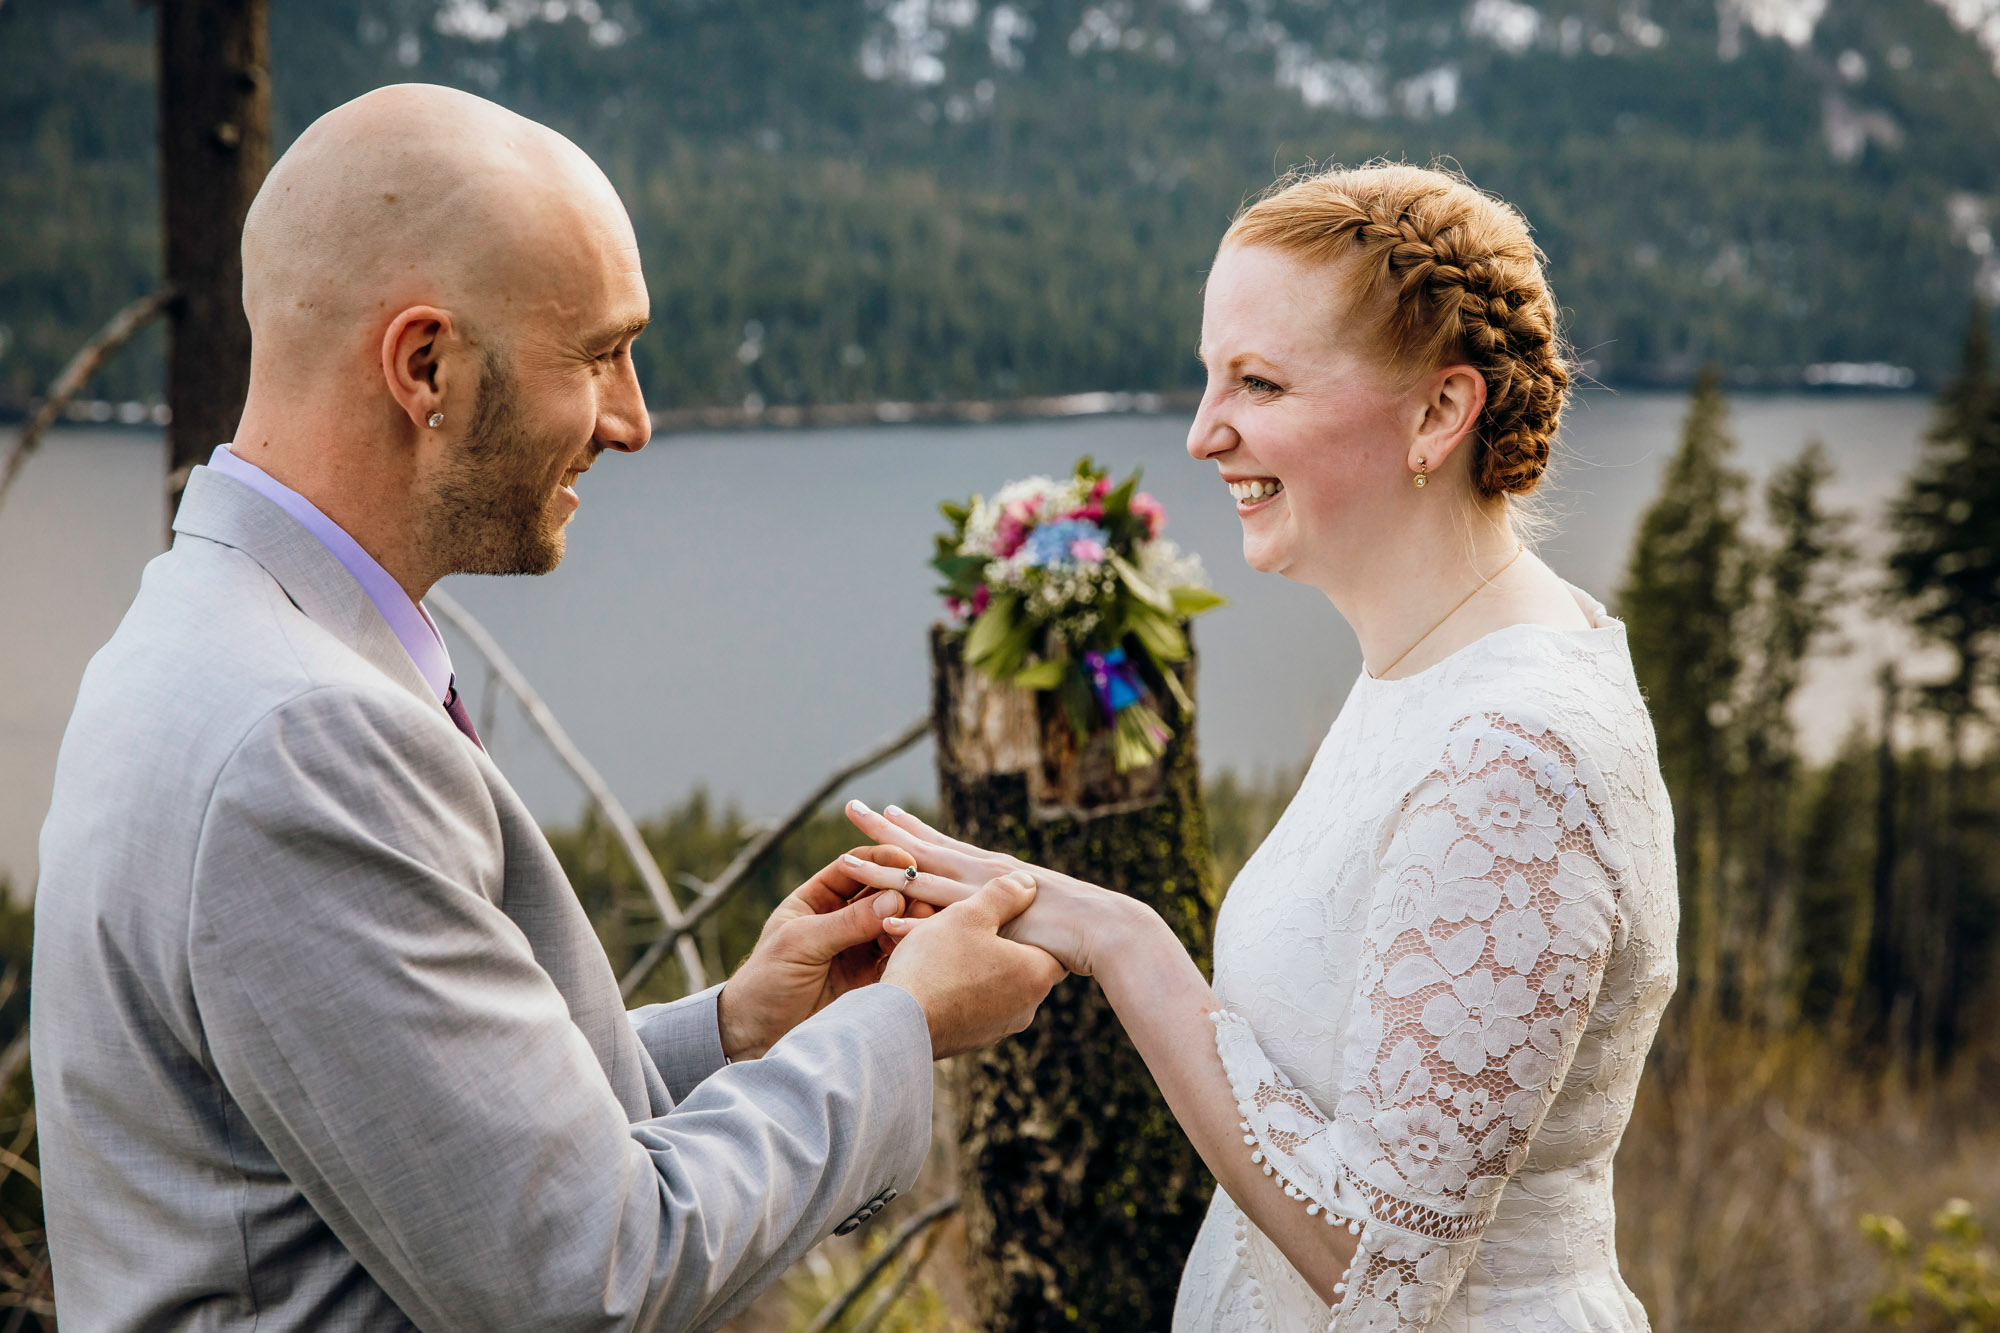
<point x="1114" y="681"/>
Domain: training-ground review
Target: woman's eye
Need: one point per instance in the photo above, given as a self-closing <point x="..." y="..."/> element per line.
<point x="1256" y="385"/>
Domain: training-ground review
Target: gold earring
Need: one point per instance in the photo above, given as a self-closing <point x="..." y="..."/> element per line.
<point x="1422" y="479"/>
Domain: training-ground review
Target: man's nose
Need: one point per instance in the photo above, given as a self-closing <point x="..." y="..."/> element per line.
<point x="622" y="420"/>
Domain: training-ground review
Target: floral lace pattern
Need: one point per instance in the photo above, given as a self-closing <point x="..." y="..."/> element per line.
<point x="1484" y="860"/>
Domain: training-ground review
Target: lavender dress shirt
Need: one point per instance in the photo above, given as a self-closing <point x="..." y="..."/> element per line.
<point x="411" y="624"/>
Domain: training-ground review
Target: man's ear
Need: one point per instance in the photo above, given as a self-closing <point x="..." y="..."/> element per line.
<point x="1453" y="400"/>
<point x="420" y="352"/>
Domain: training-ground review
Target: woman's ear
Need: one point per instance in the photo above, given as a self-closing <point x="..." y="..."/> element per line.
<point x="1453" y="400"/>
<point x="414" y="363"/>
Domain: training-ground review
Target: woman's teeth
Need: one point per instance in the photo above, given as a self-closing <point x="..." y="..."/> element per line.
<point x="1249" y="492"/>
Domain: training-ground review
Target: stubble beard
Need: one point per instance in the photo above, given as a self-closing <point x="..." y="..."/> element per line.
<point x="491" y="509"/>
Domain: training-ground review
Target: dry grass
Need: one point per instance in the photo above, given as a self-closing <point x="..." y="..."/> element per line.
<point x="1751" y="1157"/>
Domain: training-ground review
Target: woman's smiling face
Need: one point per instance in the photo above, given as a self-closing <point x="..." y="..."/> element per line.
<point x="1307" y="427"/>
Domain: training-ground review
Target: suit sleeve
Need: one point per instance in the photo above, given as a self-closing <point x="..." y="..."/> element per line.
<point x="387" y="1033"/>
<point x="684" y="1037"/>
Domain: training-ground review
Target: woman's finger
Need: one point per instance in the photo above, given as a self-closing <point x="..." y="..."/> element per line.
<point x="837" y="883"/>
<point x="931" y="856"/>
<point x="937" y="890"/>
<point x="909" y="823"/>
<point x="880" y="829"/>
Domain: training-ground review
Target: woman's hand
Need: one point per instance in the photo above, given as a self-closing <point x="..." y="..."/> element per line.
<point x="1078" y="923"/>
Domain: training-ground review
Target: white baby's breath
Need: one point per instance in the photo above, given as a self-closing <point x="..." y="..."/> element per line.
<point x="1166" y="566"/>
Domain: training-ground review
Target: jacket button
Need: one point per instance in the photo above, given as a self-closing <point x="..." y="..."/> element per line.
<point x="889" y="1195"/>
<point x="846" y="1227"/>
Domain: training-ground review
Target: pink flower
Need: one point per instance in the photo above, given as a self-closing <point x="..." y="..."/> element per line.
<point x="1008" y="535"/>
<point x="1155" y="514"/>
<point x="1088" y="550"/>
<point x="980" y="599"/>
<point x="1101" y="489"/>
<point x="956" y="607"/>
<point x="1092" y="512"/>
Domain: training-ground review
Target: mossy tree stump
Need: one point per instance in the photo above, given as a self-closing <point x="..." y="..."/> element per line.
<point x="1082" y="1196"/>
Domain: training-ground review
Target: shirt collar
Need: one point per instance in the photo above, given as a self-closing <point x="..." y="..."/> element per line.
<point x="411" y="624"/>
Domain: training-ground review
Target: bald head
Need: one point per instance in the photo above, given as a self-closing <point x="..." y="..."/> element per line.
<point x="442" y="298"/>
<point x="416" y="194"/>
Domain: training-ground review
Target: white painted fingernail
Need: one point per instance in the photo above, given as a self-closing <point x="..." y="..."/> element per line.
<point x="850" y="859"/>
<point x="862" y="806"/>
<point x="894" y="812"/>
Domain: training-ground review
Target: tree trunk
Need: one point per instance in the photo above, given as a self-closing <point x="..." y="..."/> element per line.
<point x="1082" y="1196"/>
<point x="215" y="146"/>
<point x="1884" y="971"/>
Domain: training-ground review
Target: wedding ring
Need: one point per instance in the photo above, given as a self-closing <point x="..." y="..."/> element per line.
<point x="909" y="874"/>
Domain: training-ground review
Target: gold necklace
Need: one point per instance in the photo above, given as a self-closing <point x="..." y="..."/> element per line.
<point x="1518" y="549"/>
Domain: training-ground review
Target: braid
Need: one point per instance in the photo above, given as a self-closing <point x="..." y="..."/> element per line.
<point x="1456" y="277"/>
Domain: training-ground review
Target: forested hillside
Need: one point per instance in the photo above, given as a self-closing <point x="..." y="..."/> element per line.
<point x="916" y="199"/>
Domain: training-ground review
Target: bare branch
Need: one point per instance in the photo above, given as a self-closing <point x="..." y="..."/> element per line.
<point x="758" y="850"/>
<point x="77" y="373"/>
<point x="13" y="1058"/>
<point x="841" y="1304"/>
<point x="893" y="1292"/>
<point x="593" y="782"/>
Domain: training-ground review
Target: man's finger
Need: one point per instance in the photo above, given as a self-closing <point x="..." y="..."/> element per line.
<point x="999" y="902"/>
<point x="820" y="939"/>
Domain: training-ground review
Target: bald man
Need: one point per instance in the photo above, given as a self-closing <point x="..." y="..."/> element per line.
<point x="322" y="1039"/>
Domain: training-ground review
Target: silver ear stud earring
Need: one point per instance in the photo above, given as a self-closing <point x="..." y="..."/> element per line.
<point x="436" y="419"/>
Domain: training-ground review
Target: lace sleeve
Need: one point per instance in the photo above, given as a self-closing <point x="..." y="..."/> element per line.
<point x="1493" y="917"/>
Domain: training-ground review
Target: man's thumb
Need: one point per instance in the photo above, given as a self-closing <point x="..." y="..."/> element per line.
<point x="820" y="938"/>
<point x="1000" y="901"/>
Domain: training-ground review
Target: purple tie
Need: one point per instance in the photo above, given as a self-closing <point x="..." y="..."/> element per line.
<point x="455" y="706"/>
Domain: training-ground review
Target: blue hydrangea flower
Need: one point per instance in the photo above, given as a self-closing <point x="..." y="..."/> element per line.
<point x="1050" y="544"/>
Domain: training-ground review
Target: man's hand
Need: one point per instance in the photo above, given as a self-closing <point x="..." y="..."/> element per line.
<point x="822" y="941"/>
<point x="975" y="987"/>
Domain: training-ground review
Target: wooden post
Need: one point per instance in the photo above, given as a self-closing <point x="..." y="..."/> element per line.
<point x="1082" y="1196"/>
<point x="215" y="147"/>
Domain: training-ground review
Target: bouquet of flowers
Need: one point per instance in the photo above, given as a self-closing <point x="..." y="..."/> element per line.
<point x="1068" y="587"/>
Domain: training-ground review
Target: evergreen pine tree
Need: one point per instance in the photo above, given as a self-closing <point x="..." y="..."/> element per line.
<point x="1944" y="576"/>
<point x="1800" y="584"/>
<point x="1684" y="598"/>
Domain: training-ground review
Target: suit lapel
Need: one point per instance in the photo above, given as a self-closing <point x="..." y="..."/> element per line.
<point x="222" y="509"/>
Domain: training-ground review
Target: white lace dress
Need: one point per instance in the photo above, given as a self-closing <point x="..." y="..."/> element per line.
<point x="1440" y="975"/>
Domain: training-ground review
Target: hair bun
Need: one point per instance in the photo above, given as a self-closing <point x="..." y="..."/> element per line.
<point x="1457" y="276"/>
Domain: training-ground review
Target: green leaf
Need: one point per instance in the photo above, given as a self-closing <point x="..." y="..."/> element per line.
<point x="1118" y="503"/>
<point x="1175" y="688"/>
<point x="1079" y="705"/>
<point x="991" y="628"/>
<point x="1011" y="651"/>
<point x="1138" y="738"/>
<point x="1043" y="675"/>
<point x="1158" y="634"/>
<point x="1192" y="600"/>
<point x="956" y="567"/>
<point x="1141" y="587"/>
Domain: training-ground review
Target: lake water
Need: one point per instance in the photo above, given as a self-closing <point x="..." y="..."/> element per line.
<point x="746" y="610"/>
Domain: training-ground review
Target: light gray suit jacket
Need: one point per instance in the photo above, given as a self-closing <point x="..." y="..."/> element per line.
<point x="323" y="1040"/>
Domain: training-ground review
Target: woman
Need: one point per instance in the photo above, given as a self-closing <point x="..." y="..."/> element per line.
<point x="1436" y="981"/>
